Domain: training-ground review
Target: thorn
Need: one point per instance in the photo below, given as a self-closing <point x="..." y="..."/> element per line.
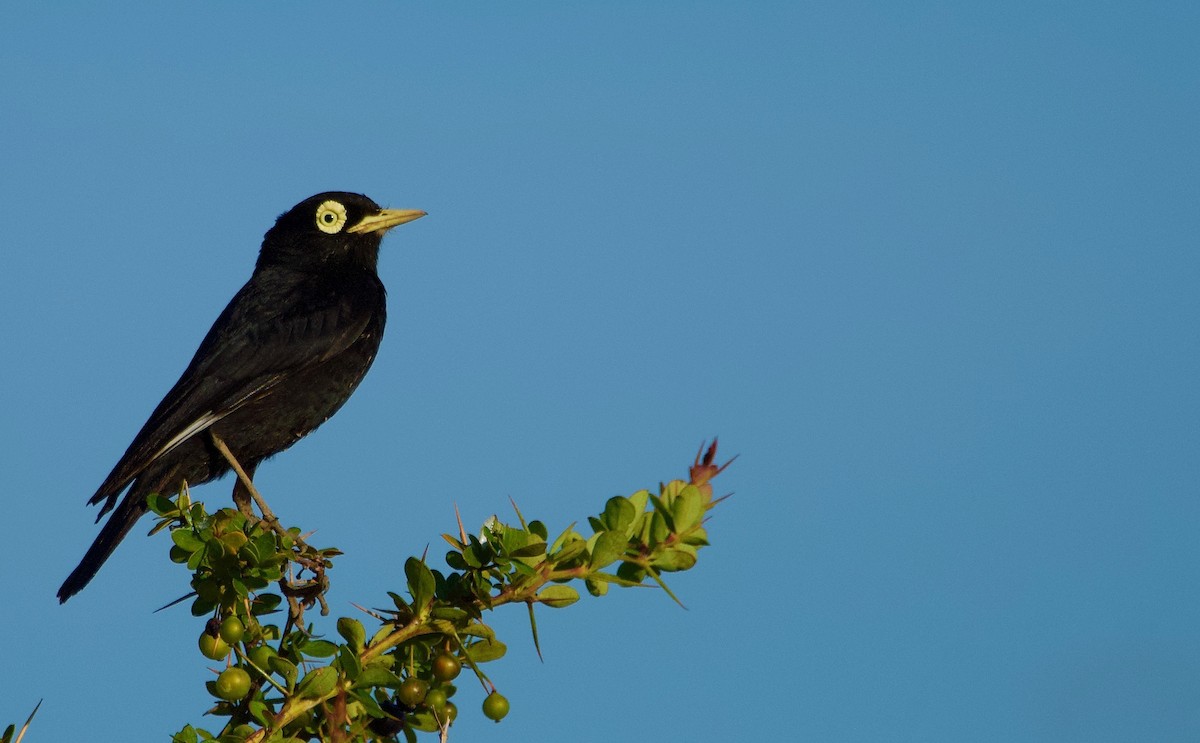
<point x="520" y="518"/>
<point x="184" y="597"/>
<point x="718" y="500"/>
<point x="462" y="533"/>
<point x="25" y="727"/>
<point x="372" y="612"/>
<point x="533" y="626"/>
<point x="703" y="469"/>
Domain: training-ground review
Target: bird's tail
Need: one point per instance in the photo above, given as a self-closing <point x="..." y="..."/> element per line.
<point x="132" y="508"/>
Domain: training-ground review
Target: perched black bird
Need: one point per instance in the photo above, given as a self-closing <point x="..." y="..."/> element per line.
<point x="280" y="360"/>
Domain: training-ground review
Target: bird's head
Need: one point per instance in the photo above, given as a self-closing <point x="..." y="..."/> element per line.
<point x="331" y="229"/>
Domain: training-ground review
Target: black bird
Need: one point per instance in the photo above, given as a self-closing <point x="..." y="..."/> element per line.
<point x="279" y="361"/>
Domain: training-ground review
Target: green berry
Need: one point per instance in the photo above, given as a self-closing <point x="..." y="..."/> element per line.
<point x="446" y="667"/>
<point x="232" y="630"/>
<point x="213" y="647"/>
<point x="436" y="700"/>
<point x="260" y="655"/>
<point x="412" y="692"/>
<point x="495" y="707"/>
<point x="232" y="684"/>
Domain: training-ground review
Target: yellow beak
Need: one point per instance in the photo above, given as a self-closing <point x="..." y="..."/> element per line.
<point x="385" y="220"/>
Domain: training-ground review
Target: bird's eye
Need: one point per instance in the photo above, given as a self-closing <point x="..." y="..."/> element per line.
<point x="331" y="217"/>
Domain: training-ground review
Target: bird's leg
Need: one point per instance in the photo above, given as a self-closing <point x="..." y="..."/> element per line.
<point x="299" y="593"/>
<point x="243" y="489"/>
<point x="242" y="497"/>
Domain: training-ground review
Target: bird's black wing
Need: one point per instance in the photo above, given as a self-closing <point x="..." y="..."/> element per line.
<point x="273" y="327"/>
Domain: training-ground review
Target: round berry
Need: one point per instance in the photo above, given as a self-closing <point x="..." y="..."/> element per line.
<point x="412" y="692"/>
<point x="436" y="700"/>
<point x="495" y="707"/>
<point x="232" y="630"/>
<point x="446" y="667"/>
<point x="213" y="647"/>
<point x="232" y="684"/>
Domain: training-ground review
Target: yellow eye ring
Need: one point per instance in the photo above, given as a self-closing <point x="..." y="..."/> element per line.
<point x="331" y="217"/>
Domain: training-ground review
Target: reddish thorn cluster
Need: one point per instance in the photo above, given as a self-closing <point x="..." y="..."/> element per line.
<point x="703" y="469"/>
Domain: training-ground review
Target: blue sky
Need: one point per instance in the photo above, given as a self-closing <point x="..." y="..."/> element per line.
<point x="930" y="270"/>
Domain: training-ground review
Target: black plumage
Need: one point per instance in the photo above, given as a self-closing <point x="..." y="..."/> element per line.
<point x="283" y="357"/>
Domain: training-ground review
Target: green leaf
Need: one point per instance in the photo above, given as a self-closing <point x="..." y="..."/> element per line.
<point x="538" y="529"/>
<point x="558" y="596"/>
<point x="255" y="582"/>
<point x="486" y="650"/>
<point x="631" y="572"/>
<point x="660" y="528"/>
<point x="477" y="629"/>
<point x="679" y="557"/>
<point x="348" y="662"/>
<point x="373" y="676"/>
<point x="535" y="549"/>
<point x="381" y="633"/>
<point x="599" y="577"/>
<point x="317" y="682"/>
<point x="661" y="509"/>
<point x="450" y="613"/>
<point x="561" y="539"/>
<point x="511" y="539"/>
<point x="265" y="603"/>
<point x="284" y="668"/>
<point x="186" y="539"/>
<point x="234" y="541"/>
<point x="607" y="548"/>
<point x="422" y="720"/>
<point x="196" y="512"/>
<point x="382" y="661"/>
<point x="640" y="499"/>
<point x="443" y="626"/>
<point x="421" y="583"/>
<point x="697" y="537"/>
<point x="671" y="489"/>
<point x="187" y="735"/>
<point x="352" y="630"/>
<point x="264" y="545"/>
<point x="619" y="513"/>
<point x="569" y="552"/>
<point x="160" y="505"/>
<point x="470" y="556"/>
<point x="260" y="712"/>
<point x="202" y="606"/>
<point x="368" y="701"/>
<point x="687" y="508"/>
<point x="596" y="587"/>
<point x="318" y="648"/>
